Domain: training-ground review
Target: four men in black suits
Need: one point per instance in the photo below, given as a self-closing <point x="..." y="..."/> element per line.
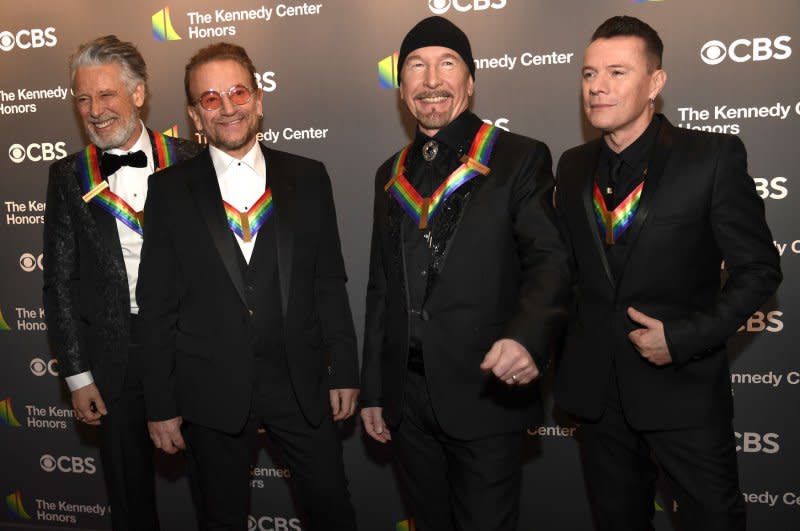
<point x="650" y="211"/>
<point x="468" y="289"/>
<point x="246" y="319"/>
<point x="92" y="245"/>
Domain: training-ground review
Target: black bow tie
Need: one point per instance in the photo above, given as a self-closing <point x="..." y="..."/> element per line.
<point x="110" y="163"/>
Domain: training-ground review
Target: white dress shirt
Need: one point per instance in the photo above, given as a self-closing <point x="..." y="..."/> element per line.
<point x="241" y="183"/>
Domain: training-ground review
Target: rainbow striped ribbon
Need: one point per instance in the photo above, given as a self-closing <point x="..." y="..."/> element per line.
<point x="96" y="188"/>
<point x="422" y="209"/>
<point x="246" y="224"/>
<point x="613" y="223"/>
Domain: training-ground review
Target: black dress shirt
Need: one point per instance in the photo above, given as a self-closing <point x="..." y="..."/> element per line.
<point x="633" y="162"/>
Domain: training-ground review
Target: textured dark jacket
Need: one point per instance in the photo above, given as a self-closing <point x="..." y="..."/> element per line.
<point x="86" y="296"/>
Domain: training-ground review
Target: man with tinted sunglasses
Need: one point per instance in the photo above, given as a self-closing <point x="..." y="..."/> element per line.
<point x="243" y="299"/>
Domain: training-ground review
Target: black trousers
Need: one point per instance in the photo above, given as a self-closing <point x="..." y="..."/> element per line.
<point x="219" y="466"/>
<point x="699" y="464"/>
<point x="454" y="484"/>
<point x="126" y="450"/>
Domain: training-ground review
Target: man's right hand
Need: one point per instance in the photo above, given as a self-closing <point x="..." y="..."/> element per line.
<point x="166" y="434"/>
<point x="374" y="424"/>
<point x="88" y="404"/>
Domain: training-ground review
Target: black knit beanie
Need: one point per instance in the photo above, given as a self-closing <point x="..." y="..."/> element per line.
<point x="437" y="31"/>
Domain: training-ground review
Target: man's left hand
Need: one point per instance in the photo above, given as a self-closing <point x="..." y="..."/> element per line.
<point x="343" y="403"/>
<point x="510" y="362"/>
<point x="650" y="340"/>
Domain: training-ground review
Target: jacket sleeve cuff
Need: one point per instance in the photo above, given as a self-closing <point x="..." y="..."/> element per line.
<point x="679" y="351"/>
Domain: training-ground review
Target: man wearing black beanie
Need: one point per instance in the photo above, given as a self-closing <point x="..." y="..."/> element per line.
<point x="468" y="288"/>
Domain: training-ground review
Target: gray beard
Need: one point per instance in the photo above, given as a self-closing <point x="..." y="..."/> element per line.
<point x="119" y="138"/>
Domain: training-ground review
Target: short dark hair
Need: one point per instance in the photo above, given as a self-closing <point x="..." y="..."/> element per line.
<point x="221" y="51"/>
<point x="109" y="49"/>
<point x="625" y="26"/>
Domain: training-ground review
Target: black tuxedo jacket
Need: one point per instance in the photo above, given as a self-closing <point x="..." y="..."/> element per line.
<point x="505" y="274"/>
<point x="698" y="208"/>
<point x="86" y="296"/>
<point x="191" y="294"/>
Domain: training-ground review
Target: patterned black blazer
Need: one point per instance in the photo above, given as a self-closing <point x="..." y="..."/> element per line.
<point x="86" y="296"/>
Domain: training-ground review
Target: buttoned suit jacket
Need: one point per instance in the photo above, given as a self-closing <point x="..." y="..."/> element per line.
<point x="85" y="284"/>
<point x="698" y="208"/>
<point x="504" y="274"/>
<point x="198" y="342"/>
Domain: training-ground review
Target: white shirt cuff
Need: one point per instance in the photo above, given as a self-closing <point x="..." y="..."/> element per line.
<point x="77" y="381"/>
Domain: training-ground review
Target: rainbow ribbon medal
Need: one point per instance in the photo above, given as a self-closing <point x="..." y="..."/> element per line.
<point x="246" y="224"/>
<point x="96" y="188"/>
<point x="422" y="209"/>
<point x="613" y="223"/>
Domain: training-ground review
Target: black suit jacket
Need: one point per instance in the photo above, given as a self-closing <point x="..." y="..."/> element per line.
<point x="199" y="347"/>
<point x="86" y="296"/>
<point x="505" y="274"/>
<point x="698" y="208"/>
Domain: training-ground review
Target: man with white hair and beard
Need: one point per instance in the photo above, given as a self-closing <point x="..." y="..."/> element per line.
<point x="92" y="244"/>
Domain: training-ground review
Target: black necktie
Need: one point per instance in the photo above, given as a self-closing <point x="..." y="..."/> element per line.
<point x="110" y="163"/>
<point x="614" y="167"/>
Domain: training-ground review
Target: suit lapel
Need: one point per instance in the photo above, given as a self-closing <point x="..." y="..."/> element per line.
<point x="394" y="235"/>
<point x="283" y="196"/>
<point x="205" y="190"/>
<point x="655" y="169"/>
<point x="588" y="171"/>
<point x="105" y="222"/>
<point x="109" y="233"/>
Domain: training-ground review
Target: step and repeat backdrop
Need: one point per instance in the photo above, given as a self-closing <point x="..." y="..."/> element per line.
<point x="328" y="72"/>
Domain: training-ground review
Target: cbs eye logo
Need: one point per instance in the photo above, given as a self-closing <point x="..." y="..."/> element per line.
<point x="48" y="463"/>
<point x="29" y="262"/>
<point x="40" y="367"/>
<point x="16" y="153"/>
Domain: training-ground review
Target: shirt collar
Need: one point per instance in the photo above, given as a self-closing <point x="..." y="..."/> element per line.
<point x="254" y="159"/>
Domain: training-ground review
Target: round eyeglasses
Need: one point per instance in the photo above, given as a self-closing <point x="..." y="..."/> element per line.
<point x="211" y="100"/>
